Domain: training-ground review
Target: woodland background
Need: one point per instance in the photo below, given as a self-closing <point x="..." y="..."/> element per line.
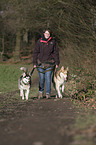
<point x="73" y="23"/>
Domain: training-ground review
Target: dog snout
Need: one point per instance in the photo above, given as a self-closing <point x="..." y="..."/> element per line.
<point x="65" y="79"/>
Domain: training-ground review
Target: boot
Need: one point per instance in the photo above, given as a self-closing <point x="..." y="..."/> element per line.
<point x="40" y="95"/>
<point x="48" y="96"/>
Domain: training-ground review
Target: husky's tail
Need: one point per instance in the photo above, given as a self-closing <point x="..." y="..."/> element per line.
<point x="24" y="69"/>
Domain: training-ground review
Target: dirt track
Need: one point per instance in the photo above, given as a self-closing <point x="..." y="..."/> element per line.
<point x="37" y="122"/>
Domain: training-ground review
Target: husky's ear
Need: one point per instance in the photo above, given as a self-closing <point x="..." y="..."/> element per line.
<point x="62" y="68"/>
<point x="24" y="74"/>
<point x="67" y="69"/>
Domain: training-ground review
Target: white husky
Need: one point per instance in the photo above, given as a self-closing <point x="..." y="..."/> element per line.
<point x="24" y="83"/>
<point x="59" y="80"/>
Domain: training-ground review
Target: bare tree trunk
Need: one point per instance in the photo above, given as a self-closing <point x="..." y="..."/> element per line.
<point x="33" y="43"/>
<point x="17" y="48"/>
<point x="25" y="36"/>
<point x="2" y="52"/>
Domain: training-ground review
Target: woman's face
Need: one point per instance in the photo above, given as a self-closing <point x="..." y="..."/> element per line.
<point x="46" y="34"/>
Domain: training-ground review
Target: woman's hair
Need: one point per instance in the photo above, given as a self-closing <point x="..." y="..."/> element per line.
<point x="47" y="29"/>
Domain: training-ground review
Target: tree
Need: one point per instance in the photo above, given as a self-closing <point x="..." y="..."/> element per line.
<point x="70" y="21"/>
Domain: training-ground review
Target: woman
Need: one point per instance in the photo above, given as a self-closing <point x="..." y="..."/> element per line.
<point x="45" y="57"/>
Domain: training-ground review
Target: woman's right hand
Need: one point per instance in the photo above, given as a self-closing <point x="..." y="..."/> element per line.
<point x="34" y="66"/>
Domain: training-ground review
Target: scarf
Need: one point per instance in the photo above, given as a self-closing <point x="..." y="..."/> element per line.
<point x="44" y="40"/>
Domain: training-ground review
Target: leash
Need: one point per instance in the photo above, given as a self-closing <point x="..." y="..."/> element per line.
<point x="32" y="71"/>
<point x="46" y="68"/>
<point x="42" y="68"/>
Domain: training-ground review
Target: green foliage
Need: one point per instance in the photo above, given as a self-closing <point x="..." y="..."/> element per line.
<point x="9" y="75"/>
<point x="85" y="128"/>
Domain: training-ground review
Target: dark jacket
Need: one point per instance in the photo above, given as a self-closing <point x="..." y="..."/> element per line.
<point x="46" y="51"/>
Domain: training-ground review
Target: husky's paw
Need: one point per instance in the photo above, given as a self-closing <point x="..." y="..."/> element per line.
<point x="60" y="97"/>
<point x="22" y="98"/>
<point x="56" y="97"/>
<point x="26" y="98"/>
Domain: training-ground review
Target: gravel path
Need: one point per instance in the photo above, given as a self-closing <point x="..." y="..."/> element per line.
<point x="39" y="122"/>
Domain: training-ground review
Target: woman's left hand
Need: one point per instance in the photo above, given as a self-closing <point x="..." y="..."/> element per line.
<point x="56" y="66"/>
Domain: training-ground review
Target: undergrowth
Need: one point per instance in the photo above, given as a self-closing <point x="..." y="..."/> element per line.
<point x="9" y="75"/>
<point x="82" y="87"/>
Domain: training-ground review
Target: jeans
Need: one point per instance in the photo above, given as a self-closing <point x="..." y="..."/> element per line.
<point x="45" y="78"/>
